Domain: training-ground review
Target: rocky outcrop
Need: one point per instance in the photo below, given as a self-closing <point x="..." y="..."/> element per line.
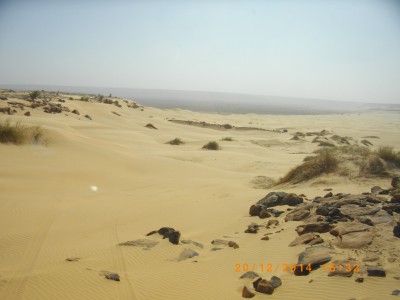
<point x="320" y="227"/>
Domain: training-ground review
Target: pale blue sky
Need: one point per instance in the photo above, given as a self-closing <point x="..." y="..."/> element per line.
<point x="341" y="49"/>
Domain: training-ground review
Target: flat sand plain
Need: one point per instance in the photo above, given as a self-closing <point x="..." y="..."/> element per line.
<point x="97" y="183"/>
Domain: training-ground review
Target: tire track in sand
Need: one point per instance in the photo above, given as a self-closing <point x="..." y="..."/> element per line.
<point x="125" y="287"/>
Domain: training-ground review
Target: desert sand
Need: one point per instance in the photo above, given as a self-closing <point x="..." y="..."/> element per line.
<point x="97" y="183"/>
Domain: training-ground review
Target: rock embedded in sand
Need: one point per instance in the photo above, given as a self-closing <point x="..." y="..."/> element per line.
<point x="272" y="222"/>
<point x="75" y="111"/>
<point x="88" y="117"/>
<point x="248" y="292"/>
<point x="265" y="287"/>
<point x="250" y="274"/>
<point x="219" y="242"/>
<point x="359" y="280"/>
<point x="396" y="292"/>
<point x="145" y="244"/>
<point x="376" y="271"/>
<point x="354" y="240"/>
<point x="170" y="233"/>
<point x="275" y="282"/>
<point x="186" y="254"/>
<point x="348" y="227"/>
<point x="312" y="257"/>
<point x="112" y="276"/>
<point x="28" y="114"/>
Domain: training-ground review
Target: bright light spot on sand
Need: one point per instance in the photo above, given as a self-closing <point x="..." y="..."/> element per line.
<point x="93" y="188"/>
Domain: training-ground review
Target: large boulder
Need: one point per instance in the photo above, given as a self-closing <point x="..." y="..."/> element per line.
<point x="348" y="227"/>
<point x="280" y="198"/>
<point x="312" y="258"/>
<point x="354" y="240"/>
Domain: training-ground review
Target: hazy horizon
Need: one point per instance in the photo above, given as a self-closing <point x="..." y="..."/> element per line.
<point x="333" y="50"/>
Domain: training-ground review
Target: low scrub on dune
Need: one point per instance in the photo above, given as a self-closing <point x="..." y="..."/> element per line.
<point x="349" y="161"/>
<point x="212" y="146"/>
<point x="175" y="141"/>
<point x="227" y="139"/>
<point x="325" y="162"/>
<point x="19" y="134"/>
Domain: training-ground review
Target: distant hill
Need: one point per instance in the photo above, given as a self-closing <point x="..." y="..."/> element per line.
<point x="221" y="102"/>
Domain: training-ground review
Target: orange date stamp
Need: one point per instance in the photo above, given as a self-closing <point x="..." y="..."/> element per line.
<point x="292" y="268"/>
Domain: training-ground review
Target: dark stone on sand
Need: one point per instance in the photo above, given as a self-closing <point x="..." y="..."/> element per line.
<point x="174" y="237"/>
<point x="75" y="111"/>
<point x="265" y="287"/>
<point x="359" y="280"/>
<point x="112" y="276"/>
<point x="396" y="292"/>
<point x="250" y="274"/>
<point x="28" y="114"/>
<point x="275" y="282"/>
<point x="396" y="230"/>
<point x="396" y="182"/>
<point x="320" y="227"/>
<point x="247" y="292"/>
<point x="376" y="271"/>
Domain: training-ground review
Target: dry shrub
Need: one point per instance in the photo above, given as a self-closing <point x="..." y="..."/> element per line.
<point x="325" y="162"/>
<point x="212" y="146"/>
<point x="19" y="134"/>
<point x="175" y="141"/>
<point x="388" y="154"/>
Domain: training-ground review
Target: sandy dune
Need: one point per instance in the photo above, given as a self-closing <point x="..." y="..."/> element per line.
<point x="49" y="212"/>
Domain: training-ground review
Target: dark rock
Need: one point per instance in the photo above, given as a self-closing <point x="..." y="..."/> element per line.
<point x="396" y="230"/>
<point x="256" y="282"/>
<point x="396" y="182"/>
<point x="28" y="114"/>
<point x="366" y="221"/>
<point x="376" y="189"/>
<point x="150" y="126"/>
<point x="264" y="214"/>
<point x="265" y="287"/>
<point x="265" y="238"/>
<point x="359" y="280"/>
<point x="396" y="292"/>
<point x="275" y="282"/>
<point x="75" y="111"/>
<point x="255" y="210"/>
<point x="395" y="197"/>
<point x="328" y="195"/>
<point x="112" y="276"/>
<point x="248" y="292"/>
<point x="376" y="271"/>
<point x="174" y="237"/>
<point x="391" y="208"/>
<point x="88" y="117"/>
<point x="276" y="213"/>
<point x="233" y="245"/>
<point x="320" y="227"/>
<point x="151" y="232"/>
<point x="250" y="274"/>
<point x="292" y="200"/>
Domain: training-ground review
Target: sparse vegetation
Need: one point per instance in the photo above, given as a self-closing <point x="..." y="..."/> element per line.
<point x="227" y="139"/>
<point x="34" y="95"/>
<point x="19" y="134"/>
<point x="227" y="126"/>
<point x="84" y="98"/>
<point x="212" y="146"/>
<point x="325" y="144"/>
<point x="151" y="126"/>
<point x="389" y="155"/>
<point x="348" y="161"/>
<point x="325" y="162"/>
<point x="175" y="141"/>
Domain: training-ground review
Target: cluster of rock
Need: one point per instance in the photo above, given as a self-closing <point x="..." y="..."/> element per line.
<point x="263" y="209"/>
<point x="353" y="221"/>
<point x="167" y="232"/>
<point x="260" y="285"/>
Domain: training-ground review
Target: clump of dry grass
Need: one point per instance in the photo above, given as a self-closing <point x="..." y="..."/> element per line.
<point x="325" y="162"/>
<point x="19" y="134"/>
<point x="227" y="139"/>
<point x="389" y="155"/>
<point x="213" y="145"/>
<point x="326" y="144"/>
<point x="175" y="141"/>
<point x="374" y="165"/>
